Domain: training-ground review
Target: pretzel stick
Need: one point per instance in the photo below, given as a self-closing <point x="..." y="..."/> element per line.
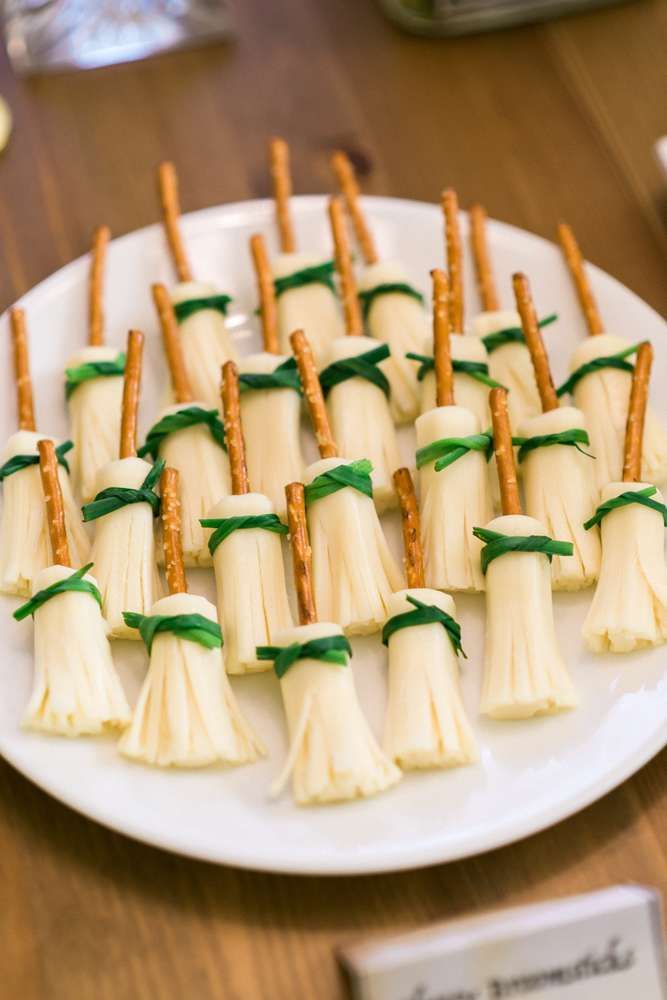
<point x="24" y="400"/>
<point x="231" y="408"/>
<point x="502" y="446"/>
<point x="450" y="207"/>
<point x="101" y="238"/>
<point x="412" y="546"/>
<point x="312" y="391"/>
<point x="267" y="294"/>
<point x="535" y="343"/>
<point x="282" y="192"/>
<point x="442" y="356"/>
<point x="480" y="252"/>
<point x="302" y="556"/>
<point x="53" y="498"/>
<point x="170" y="514"/>
<point x="344" y="172"/>
<point x="575" y="264"/>
<point x="348" y="286"/>
<point x="131" y="387"/>
<point x="173" y="348"/>
<point x="168" y="187"/>
<point x="634" y="428"/>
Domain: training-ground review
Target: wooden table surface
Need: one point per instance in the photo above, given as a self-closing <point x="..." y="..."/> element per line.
<point x="540" y="123"/>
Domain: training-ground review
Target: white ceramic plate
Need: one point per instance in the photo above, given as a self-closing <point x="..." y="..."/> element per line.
<point x="531" y="774"/>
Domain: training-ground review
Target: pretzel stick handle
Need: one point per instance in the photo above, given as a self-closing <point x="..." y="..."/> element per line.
<point x="173" y="348"/>
<point x="634" y="428"/>
<point x="450" y="208"/>
<point x="442" y="355"/>
<point x="170" y="514"/>
<point x="302" y="559"/>
<point x="53" y="498"/>
<point x="410" y="523"/>
<point x="480" y="252"/>
<point x="24" y="399"/>
<point x="231" y="408"/>
<point x="344" y="173"/>
<point x="314" y="397"/>
<point x="267" y="294"/>
<point x="575" y="264"/>
<point x="502" y="445"/>
<point x="168" y="189"/>
<point x="535" y="343"/>
<point x="348" y="286"/>
<point x="282" y="192"/>
<point x="131" y="388"/>
<point x="101" y="238"/>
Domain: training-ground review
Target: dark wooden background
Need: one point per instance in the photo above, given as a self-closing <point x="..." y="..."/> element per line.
<point x="540" y="123"/>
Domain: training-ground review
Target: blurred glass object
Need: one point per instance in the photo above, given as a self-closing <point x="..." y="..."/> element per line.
<point x="56" y="34"/>
<point x="462" y="17"/>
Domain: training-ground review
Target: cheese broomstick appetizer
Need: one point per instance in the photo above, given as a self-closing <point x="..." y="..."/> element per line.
<point x="304" y="283"/>
<point x="270" y="399"/>
<point x="426" y="724"/>
<point x="94" y="385"/>
<point x="452" y="453"/>
<point x="186" y="715"/>
<point x="333" y="755"/>
<point x="354" y="570"/>
<point x="469" y="356"/>
<point x="558" y="474"/>
<point x="76" y="690"/>
<point x="247" y="552"/>
<point x="392" y="308"/>
<point x="600" y="383"/>
<point x="199" y="306"/>
<point x="355" y="385"/>
<point x="500" y="331"/>
<point x="190" y="437"/>
<point x="629" y="608"/>
<point x="524" y="673"/>
<point x="24" y="535"/>
<point x="123" y="510"/>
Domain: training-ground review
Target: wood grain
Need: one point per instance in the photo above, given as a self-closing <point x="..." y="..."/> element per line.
<point x="86" y="912"/>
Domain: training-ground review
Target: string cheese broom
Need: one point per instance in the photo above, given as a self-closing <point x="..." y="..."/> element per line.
<point x="393" y="309"/>
<point x="469" y="355"/>
<point x="199" y="306"/>
<point x="354" y="570"/>
<point x="304" y="284"/>
<point x="76" y="690"/>
<point x="355" y="385"/>
<point x="94" y="385"/>
<point x="629" y="608"/>
<point x="333" y="755"/>
<point x="500" y="331"/>
<point x="558" y="475"/>
<point x="24" y="536"/>
<point x="247" y="552"/>
<point x="123" y="509"/>
<point x="600" y="383"/>
<point x="270" y="399"/>
<point x="524" y="673"/>
<point x="451" y="457"/>
<point x="190" y="438"/>
<point x="426" y="723"/>
<point x="186" y="715"/>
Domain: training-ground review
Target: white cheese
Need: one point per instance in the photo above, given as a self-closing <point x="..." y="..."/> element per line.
<point x="629" y="608"/>
<point x="426" y="723"/>
<point x="187" y="715"/>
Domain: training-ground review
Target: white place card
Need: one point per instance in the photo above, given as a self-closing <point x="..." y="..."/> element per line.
<point x="605" y="945"/>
